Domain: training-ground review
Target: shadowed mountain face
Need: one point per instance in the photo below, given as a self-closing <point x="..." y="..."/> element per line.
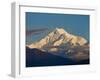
<point x="36" y="58"/>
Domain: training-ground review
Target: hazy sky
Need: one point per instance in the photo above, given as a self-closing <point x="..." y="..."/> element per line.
<point x="39" y="24"/>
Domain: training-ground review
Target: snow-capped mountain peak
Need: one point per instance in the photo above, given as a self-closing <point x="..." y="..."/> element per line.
<point x="60" y="30"/>
<point x="56" y="38"/>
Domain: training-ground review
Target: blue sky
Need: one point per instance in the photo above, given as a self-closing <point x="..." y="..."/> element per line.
<point x="75" y="24"/>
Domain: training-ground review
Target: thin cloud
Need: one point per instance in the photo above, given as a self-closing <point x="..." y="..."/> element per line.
<point x="35" y="31"/>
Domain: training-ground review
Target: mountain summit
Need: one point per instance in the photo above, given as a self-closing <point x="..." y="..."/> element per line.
<point x="56" y="38"/>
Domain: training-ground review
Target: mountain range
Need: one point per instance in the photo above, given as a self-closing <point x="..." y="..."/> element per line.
<point x="58" y="45"/>
<point x="58" y="37"/>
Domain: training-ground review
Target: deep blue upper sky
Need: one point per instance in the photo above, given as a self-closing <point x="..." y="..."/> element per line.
<point x="75" y="24"/>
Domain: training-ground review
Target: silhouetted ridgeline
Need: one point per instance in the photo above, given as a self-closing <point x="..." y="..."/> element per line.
<point x="37" y="58"/>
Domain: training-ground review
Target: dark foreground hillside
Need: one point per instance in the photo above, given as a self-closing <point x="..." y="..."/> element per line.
<point x="38" y="58"/>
